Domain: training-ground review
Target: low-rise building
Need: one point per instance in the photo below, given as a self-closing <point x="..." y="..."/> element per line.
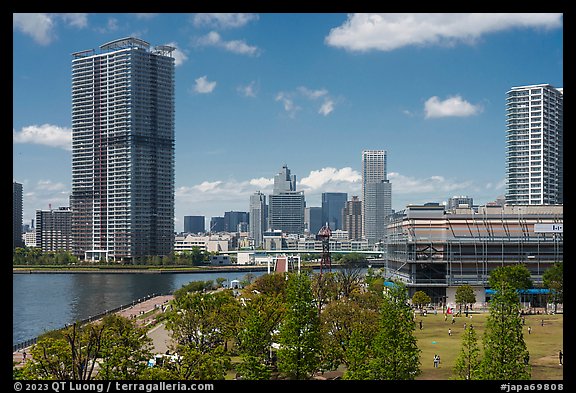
<point x="436" y="250"/>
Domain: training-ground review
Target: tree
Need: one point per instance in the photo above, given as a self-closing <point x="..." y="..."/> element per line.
<point x="259" y="319"/>
<point x="324" y="288"/>
<point x="339" y="321"/>
<point x="553" y="279"/>
<point x="193" y="286"/>
<point x="420" y="298"/>
<point x="357" y="352"/>
<point x="395" y="352"/>
<point x="247" y="279"/>
<point x="197" y="328"/>
<point x="299" y="331"/>
<point x="125" y="349"/>
<point x="50" y="359"/>
<point x="468" y="362"/>
<point x="374" y="280"/>
<point x="349" y="276"/>
<point x="220" y="281"/>
<point x="195" y="364"/>
<point x="505" y="350"/>
<point x="517" y="276"/>
<point x="465" y="295"/>
<point x="197" y="256"/>
<point x="69" y="354"/>
<point x="270" y="284"/>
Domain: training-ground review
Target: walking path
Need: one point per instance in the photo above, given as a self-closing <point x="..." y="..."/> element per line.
<point x="159" y="335"/>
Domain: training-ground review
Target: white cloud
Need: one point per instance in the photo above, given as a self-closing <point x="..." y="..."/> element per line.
<point x="111" y="25"/>
<point x="249" y="90"/>
<point x="235" y="46"/>
<point x="208" y="186"/>
<point x="42" y="27"/>
<point x="321" y="178"/>
<point x="386" y="32"/>
<point x="223" y="20"/>
<point x="450" y="107"/>
<point x="288" y="103"/>
<point x="39" y="26"/>
<point x="287" y="98"/>
<point x="433" y="185"/>
<point x="326" y="108"/>
<point x="45" y="134"/>
<point x="76" y="20"/>
<point x="203" y="86"/>
<point x="262" y="183"/>
<point x="213" y="198"/>
<point x="42" y="194"/>
<point x="312" y="94"/>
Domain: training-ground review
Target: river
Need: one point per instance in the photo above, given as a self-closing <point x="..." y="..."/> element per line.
<point x="44" y="302"/>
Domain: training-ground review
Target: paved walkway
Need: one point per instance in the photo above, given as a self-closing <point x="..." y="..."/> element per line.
<point x="159" y="335"/>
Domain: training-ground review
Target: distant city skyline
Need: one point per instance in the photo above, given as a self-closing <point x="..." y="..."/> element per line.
<point x="312" y="91"/>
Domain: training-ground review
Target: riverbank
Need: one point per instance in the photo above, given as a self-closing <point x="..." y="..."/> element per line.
<point x="145" y="270"/>
<point x="148" y="269"/>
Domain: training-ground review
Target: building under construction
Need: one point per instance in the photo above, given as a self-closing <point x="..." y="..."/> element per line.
<point x="436" y="250"/>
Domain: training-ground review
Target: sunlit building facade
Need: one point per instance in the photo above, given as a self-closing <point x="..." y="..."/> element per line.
<point x="122" y="198"/>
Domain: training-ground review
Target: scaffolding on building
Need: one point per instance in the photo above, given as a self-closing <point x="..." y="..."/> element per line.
<point x="463" y="247"/>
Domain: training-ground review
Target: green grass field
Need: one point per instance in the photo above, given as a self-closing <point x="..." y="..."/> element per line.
<point x="543" y="344"/>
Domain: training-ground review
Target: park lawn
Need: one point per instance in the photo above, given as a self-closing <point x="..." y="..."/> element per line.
<point x="543" y="344"/>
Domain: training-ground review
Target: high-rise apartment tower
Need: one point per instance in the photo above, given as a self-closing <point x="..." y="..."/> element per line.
<point x="122" y="198"/>
<point x="534" y="148"/>
<point x="352" y="218"/>
<point x="376" y="195"/>
<point x="17" y="215"/>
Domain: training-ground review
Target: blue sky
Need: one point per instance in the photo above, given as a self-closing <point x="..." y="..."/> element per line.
<point x="256" y="91"/>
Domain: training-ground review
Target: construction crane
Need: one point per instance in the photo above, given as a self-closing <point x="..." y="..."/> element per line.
<point x="324" y="235"/>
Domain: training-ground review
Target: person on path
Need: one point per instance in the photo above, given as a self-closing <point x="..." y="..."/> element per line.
<point x="436" y="360"/>
<point x="420" y="324"/>
<point x="560" y="356"/>
<point x="542" y="323"/>
<point x="24" y="357"/>
<point x="449" y="331"/>
<point x="529" y="330"/>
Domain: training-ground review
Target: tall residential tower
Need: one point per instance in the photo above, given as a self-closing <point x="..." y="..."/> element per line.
<point x="376" y="195"/>
<point x="122" y="198"/>
<point x="534" y="150"/>
<point x="17" y="216"/>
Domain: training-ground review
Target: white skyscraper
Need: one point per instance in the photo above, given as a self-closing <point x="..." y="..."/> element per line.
<point x="258" y="217"/>
<point x="122" y="198"/>
<point x="534" y="149"/>
<point x="376" y="195"/>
